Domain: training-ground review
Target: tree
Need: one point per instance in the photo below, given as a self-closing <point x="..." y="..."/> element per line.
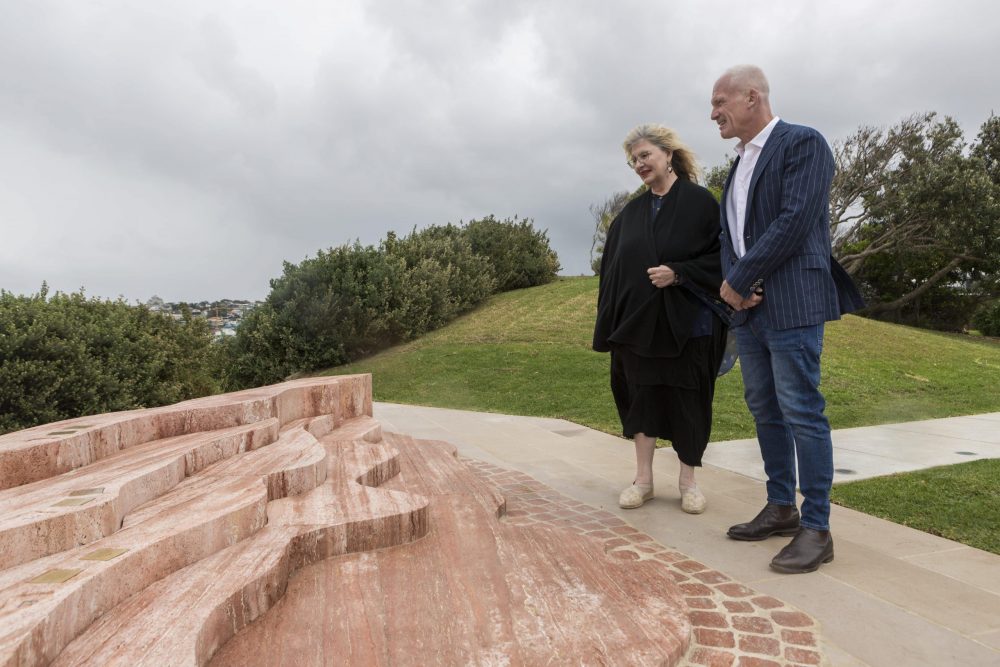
<point x="604" y="214"/>
<point x="915" y="218"/>
<point x="715" y="179"/>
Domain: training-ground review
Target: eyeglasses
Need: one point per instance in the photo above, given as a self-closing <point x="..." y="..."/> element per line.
<point x="642" y="158"/>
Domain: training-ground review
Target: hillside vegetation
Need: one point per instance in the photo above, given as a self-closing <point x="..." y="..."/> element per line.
<point x="527" y="352"/>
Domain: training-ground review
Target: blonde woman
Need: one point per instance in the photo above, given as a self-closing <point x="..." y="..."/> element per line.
<point x="659" y="273"/>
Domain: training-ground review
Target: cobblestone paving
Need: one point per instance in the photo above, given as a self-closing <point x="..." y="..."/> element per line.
<point x="732" y="626"/>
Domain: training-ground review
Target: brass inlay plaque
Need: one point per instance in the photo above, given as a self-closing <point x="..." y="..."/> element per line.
<point x="87" y="492"/>
<point x="104" y="554"/>
<point x="54" y="576"/>
<point x="70" y="502"/>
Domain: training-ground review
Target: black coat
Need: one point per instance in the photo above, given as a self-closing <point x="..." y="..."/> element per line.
<point x="631" y="312"/>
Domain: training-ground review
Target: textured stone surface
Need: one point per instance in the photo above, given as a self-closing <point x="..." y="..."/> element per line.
<point x="475" y="590"/>
<point x="731" y="624"/>
<point x="281" y="526"/>
<point x="161" y="501"/>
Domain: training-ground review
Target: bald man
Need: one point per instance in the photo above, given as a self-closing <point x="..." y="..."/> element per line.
<point x="783" y="285"/>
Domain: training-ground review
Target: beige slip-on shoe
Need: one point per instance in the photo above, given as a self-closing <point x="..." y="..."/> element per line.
<point x="693" y="500"/>
<point x="634" y="496"/>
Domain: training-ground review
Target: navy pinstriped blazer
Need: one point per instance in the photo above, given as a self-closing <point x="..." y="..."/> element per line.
<point x="787" y="235"/>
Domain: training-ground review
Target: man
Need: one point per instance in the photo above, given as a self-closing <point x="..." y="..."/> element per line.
<point x="783" y="285"/>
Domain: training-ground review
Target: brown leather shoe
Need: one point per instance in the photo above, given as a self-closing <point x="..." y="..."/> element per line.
<point x="772" y="520"/>
<point x="807" y="550"/>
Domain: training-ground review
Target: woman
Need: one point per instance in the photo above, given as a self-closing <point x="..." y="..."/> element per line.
<point x="656" y="313"/>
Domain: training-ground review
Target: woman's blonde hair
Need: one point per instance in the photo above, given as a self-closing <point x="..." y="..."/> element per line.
<point x="681" y="157"/>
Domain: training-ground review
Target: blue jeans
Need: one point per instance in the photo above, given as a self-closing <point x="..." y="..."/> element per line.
<point x="781" y="373"/>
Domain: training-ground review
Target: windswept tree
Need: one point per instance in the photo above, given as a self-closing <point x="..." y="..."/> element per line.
<point x="915" y="217"/>
<point x="604" y="214"/>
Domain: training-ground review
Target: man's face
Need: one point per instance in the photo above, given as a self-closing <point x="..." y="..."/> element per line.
<point x="731" y="110"/>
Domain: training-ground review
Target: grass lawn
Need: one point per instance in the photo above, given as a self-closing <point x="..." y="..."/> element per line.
<point x="960" y="502"/>
<point x="528" y="353"/>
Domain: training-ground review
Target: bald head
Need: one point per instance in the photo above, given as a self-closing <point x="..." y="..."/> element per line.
<point x="744" y="78"/>
<point x="740" y="102"/>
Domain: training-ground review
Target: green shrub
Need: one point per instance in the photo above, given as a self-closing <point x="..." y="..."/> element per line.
<point x="987" y="319"/>
<point x="66" y="356"/>
<point x="352" y="301"/>
<point x="520" y="254"/>
<point x="444" y="277"/>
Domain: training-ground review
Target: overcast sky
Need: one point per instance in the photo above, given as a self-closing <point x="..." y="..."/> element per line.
<point x="187" y="148"/>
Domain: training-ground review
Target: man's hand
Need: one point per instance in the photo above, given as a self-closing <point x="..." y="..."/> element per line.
<point x="731" y="296"/>
<point x="662" y="275"/>
<point x="737" y="302"/>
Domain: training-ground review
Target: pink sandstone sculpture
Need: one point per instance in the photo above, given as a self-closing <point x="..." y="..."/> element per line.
<point x="281" y="526"/>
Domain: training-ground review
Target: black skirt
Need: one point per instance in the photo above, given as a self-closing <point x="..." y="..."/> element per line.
<point x="670" y="398"/>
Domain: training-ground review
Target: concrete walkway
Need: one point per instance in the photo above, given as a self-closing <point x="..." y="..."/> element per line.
<point x="894" y="596"/>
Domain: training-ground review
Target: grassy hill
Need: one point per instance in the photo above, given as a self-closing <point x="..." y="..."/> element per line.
<point x="528" y="352"/>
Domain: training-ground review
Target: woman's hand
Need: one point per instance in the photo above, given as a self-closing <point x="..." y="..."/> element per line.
<point x="662" y="276"/>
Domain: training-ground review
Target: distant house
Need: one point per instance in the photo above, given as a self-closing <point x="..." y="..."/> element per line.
<point x="155" y="304"/>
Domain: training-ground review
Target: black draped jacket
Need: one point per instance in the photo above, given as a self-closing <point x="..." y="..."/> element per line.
<point x="631" y="312"/>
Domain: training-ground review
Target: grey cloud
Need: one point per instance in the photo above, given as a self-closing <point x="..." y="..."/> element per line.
<point x="187" y="148"/>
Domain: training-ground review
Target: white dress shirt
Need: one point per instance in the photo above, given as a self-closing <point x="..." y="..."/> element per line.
<point x="736" y="202"/>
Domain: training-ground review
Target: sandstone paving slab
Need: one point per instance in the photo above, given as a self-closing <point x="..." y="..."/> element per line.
<point x="981" y="428"/>
<point x="942" y="599"/>
<point x="966" y="564"/>
<point x="894" y="635"/>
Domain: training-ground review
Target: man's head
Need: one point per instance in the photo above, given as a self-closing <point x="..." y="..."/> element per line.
<point x="740" y="103"/>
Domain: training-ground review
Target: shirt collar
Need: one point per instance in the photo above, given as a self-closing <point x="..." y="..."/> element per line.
<point x="761" y="138"/>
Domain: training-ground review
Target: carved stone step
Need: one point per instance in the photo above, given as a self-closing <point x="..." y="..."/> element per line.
<point x="185" y="618"/>
<point x="89" y="503"/>
<point x="48" y="602"/>
<point x="46" y="451"/>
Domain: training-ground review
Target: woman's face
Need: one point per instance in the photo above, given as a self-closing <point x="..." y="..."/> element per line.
<point x="650" y="162"/>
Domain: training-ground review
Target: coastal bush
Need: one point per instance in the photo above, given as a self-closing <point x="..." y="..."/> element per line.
<point x="66" y="355"/>
<point x="519" y="253"/>
<point x="351" y="301"/>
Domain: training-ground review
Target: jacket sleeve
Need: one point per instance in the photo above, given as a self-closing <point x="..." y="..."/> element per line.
<point x="805" y="183"/>
<point x="702" y="268"/>
<point x="605" y="297"/>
